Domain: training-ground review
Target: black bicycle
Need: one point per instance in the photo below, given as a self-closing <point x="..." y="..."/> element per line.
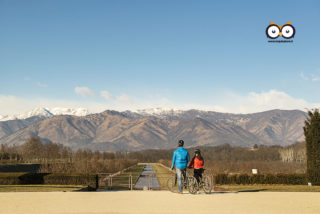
<point x="204" y="183"/>
<point x="189" y="182"/>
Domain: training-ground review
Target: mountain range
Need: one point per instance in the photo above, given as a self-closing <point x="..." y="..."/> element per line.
<point x="154" y="128"/>
<point x="46" y="112"/>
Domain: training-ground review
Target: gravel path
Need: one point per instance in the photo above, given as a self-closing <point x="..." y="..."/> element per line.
<point x="156" y="202"/>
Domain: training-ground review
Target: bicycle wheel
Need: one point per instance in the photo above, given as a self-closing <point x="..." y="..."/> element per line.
<point x="192" y="185"/>
<point x="172" y="184"/>
<point x="206" y="184"/>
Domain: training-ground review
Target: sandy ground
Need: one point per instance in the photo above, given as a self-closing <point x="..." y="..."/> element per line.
<point x="152" y="202"/>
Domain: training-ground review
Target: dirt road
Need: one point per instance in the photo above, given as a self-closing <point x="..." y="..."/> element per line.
<point x="159" y="202"/>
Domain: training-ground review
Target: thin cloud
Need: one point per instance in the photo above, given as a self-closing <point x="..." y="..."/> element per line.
<point x="84" y="92"/>
<point x="12" y="105"/>
<point x="125" y="98"/>
<point x="106" y="95"/>
<point x="264" y="101"/>
<point x="231" y="103"/>
<point x="304" y="77"/>
<point x="315" y="78"/>
<point x="312" y="77"/>
<point x="41" y="85"/>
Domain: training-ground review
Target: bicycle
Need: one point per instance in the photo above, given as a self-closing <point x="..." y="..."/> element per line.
<point x="204" y="183"/>
<point x="189" y="182"/>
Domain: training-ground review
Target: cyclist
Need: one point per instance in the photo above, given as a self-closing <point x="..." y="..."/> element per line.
<point x="180" y="159"/>
<point x="197" y="163"/>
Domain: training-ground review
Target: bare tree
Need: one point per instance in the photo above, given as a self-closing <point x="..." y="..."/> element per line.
<point x="33" y="149"/>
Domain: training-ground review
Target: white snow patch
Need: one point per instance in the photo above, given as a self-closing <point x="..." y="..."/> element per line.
<point x="46" y="112"/>
<point x="159" y="112"/>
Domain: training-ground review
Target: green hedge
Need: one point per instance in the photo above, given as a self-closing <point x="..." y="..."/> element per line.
<point x="9" y="178"/>
<point x="73" y="179"/>
<point x="292" y="179"/>
<point x="314" y="176"/>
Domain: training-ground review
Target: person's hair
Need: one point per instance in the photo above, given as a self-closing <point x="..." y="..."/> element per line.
<point x="199" y="155"/>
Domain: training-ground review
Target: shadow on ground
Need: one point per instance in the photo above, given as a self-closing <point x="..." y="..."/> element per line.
<point x="253" y="190"/>
<point x="86" y="189"/>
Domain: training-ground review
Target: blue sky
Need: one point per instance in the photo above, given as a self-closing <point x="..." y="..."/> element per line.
<point x="211" y="55"/>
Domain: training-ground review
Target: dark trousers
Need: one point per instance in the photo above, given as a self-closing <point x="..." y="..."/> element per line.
<point x="198" y="174"/>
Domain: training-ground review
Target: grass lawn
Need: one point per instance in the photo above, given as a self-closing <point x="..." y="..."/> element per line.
<point x="39" y="188"/>
<point x="162" y="174"/>
<point x="270" y="188"/>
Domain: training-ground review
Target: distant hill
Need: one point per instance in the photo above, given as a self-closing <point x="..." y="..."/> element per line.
<point x="113" y="130"/>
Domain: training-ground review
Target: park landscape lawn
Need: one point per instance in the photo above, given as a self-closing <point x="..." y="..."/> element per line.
<point x="162" y="174"/>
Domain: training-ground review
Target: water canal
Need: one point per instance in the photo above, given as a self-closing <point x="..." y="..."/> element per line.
<point x="147" y="180"/>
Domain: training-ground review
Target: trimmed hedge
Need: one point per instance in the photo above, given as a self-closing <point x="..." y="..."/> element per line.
<point x="292" y="179"/>
<point x="314" y="176"/>
<point x="72" y="179"/>
<point x="10" y="178"/>
<point x="47" y="178"/>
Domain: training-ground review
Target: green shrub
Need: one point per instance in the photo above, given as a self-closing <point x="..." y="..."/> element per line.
<point x="270" y="179"/>
<point x="256" y="179"/>
<point x="243" y="179"/>
<point x="232" y="179"/>
<point x="221" y="179"/>
<point x="291" y="179"/>
<point x="70" y="179"/>
<point x="32" y="178"/>
<point x="297" y="179"/>
<point x="10" y="178"/>
<point x="47" y="178"/>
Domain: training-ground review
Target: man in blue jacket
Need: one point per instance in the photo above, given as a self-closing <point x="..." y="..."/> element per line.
<point x="180" y="159"/>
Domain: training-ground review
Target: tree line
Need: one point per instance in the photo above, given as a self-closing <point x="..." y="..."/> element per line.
<point x="223" y="152"/>
<point x="56" y="158"/>
<point x="294" y="153"/>
<point x="35" y="151"/>
<point x="223" y="158"/>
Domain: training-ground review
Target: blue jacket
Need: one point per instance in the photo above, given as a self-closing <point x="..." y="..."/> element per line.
<point x="180" y="158"/>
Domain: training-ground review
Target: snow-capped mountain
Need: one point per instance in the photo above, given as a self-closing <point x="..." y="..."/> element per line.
<point x="159" y="112"/>
<point x="113" y="130"/>
<point x="80" y="112"/>
<point x="47" y="113"/>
